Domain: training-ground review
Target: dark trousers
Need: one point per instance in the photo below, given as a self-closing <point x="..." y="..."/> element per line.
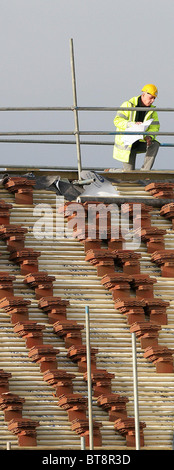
<point x="150" y="154"/>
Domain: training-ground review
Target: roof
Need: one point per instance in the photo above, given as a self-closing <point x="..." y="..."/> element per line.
<point x="78" y="281"/>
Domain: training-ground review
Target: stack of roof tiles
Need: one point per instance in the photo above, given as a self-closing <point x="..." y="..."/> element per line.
<point x="167" y="211"/>
<point x="144" y="305"/>
<point x="161" y="190"/>
<point x="44" y="354"/>
<point x="12" y="406"/>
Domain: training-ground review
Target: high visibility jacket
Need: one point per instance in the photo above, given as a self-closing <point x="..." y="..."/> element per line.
<point x="122" y="122"/>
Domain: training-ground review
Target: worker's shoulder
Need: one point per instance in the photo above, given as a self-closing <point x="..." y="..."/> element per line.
<point x="131" y="102"/>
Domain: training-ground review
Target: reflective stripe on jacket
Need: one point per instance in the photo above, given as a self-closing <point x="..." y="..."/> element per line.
<point x="122" y="122"/>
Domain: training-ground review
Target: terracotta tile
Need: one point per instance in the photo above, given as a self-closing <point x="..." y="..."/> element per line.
<point x="78" y="354"/>
<point x="146" y="332"/>
<point x="31" y="332"/>
<point x="22" y="188"/>
<point x="114" y="404"/>
<point x="27" y="259"/>
<point x="25" y="429"/>
<point x="126" y="427"/>
<point x="101" y="381"/>
<point x="4" y="381"/>
<point x="81" y="427"/>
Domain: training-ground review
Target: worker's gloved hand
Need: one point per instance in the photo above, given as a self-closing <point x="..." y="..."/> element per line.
<point x="148" y="140"/>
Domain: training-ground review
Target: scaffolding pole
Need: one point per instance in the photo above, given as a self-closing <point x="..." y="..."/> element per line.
<point x="135" y="383"/>
<point x="82" y="440"/>
<point x="89" y="378"/>
<point x="75" y="110"/>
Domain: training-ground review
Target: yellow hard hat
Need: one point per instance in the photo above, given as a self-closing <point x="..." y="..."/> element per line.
<point x="150" y="88"/>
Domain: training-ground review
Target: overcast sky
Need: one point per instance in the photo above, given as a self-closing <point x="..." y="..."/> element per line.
<point x="118" y="48"/>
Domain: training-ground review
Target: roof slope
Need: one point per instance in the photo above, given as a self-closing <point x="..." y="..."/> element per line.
<point x="76" y="280"/>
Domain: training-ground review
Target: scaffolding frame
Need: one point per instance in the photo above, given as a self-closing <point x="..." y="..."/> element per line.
<point x="16" y="136"/>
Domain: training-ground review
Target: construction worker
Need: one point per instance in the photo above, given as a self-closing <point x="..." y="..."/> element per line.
<point x="124" y="120"/>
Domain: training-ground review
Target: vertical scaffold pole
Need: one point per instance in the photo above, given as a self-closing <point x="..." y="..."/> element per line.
<point x="135" y="380"/>
<point x="89" y="378"/>
<point x="75" y="109"/>
<point x="82" y="443"/>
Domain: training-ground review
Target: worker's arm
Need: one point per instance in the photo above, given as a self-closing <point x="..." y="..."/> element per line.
<point x="122" y="117"/>
<point x="154" y="127"/>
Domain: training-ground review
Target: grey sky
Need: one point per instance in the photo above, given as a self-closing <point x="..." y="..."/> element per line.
<point x="119" y="47"/>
